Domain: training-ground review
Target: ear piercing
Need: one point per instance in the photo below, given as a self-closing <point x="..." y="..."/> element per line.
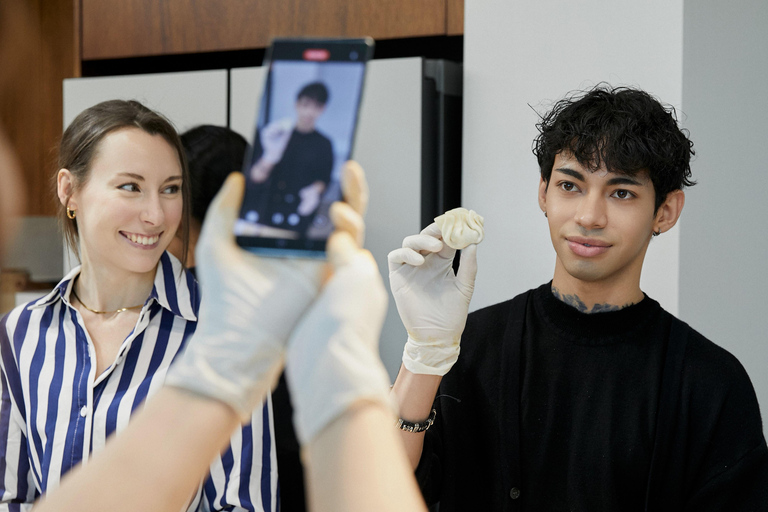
<point x="656" y="233"/>
<point x="71" y="214"/>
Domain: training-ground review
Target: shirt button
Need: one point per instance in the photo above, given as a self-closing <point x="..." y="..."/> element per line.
<point x="83" y="411"/>
<point x="514" y="493"/>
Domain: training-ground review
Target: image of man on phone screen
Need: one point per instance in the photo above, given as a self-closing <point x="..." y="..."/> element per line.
<point x="292" y="165"/>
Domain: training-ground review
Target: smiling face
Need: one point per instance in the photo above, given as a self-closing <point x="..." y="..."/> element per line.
<point x="600" y="224"/>
<point x="131" y="206"/>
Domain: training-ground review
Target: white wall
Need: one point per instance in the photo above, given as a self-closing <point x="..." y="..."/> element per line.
<point x="724" y="242"/>
<point x="520" y="56"/>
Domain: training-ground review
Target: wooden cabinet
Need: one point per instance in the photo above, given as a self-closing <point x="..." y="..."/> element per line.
<point x="38" y="49"/>
<point x="131" y="28"/>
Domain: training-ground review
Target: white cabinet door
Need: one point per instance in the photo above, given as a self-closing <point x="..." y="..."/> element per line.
<point x="187" y="99"/>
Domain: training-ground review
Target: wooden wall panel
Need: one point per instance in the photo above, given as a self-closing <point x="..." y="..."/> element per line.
<point x="131" y="28"/>
<point x="42" y="53"/>
<point x="60" y="59"/>
<point x="454" y="22"/>
<point x="20" y="50"/>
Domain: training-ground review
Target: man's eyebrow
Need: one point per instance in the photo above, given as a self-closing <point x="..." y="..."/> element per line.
<point x="624" y="180"/>
<point x="570" y="172"/>
<point x="619" y="179"/>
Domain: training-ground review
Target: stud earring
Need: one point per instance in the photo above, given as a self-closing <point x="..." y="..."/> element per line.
<point x="71" y="214"/>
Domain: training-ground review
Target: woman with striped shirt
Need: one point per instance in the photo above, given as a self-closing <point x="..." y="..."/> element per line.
<point x="75" y="364"/>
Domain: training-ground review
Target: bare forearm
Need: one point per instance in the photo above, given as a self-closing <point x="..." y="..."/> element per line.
<point x="156" y="463"/>
<point x="348" y="472"/>
<point x="414" y="395"/>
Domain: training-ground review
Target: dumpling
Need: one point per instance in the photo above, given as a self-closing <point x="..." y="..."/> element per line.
<point x="460" y="227"/>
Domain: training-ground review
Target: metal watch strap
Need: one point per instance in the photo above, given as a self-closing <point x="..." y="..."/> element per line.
<point x="422" y="426"/>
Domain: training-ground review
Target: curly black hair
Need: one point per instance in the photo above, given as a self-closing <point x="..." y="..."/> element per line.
<point x="625" y="129"/>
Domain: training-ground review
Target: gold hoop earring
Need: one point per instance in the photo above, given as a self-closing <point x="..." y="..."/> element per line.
<point x="71" y="214"/>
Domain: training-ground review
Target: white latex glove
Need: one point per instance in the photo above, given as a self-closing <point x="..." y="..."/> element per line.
<point x="433" y="303"/>
<point x="274" y="138"/>
<point x="250" y="306"/>
<point x="333" y="357"/>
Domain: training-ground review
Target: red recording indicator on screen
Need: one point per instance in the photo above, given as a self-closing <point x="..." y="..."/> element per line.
<point x="317" y="54"/>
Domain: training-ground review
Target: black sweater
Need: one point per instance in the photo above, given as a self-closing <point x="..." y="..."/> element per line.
<point x="552" y="409"/>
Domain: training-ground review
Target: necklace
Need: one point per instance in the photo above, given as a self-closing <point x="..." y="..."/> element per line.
<point x="102" y="312"/>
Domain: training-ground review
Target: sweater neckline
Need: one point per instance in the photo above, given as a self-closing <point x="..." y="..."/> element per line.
<point x="593" y="328"/>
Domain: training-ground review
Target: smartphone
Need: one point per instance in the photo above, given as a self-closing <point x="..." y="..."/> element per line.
<point x="304" y="133"/>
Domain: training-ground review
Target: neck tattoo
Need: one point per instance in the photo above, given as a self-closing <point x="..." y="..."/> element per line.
<point x="103" y="312"/>
<point x="576" y="302"/>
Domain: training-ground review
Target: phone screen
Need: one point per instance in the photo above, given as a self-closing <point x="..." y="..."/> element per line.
<point x="303" y="135"/>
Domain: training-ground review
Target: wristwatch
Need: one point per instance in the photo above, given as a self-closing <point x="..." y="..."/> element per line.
<point x="422" y="426"/>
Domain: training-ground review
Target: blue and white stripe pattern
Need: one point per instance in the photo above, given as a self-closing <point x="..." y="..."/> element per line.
<point x="55" y="411"/>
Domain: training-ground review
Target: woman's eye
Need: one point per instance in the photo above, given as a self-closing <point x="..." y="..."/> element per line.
<point x="130" y="187"/>
<point x="173" y="189"/>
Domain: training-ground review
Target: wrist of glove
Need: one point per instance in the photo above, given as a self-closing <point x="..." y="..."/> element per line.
<point x="333" y="358"/>
<point x="430" y="357"/>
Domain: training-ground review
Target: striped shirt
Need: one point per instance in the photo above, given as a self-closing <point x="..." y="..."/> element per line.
<point x="56" y="412"/>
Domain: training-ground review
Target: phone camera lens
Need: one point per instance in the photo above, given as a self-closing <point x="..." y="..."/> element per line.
<point x="352" y="55"/>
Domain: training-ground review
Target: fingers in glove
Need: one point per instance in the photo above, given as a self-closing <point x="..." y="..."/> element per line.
<point x="345" y="218"/>
<point x="222" y="213"/>
<point x="414" y="248"/>
<point x="354" y="187"/>
<point x="405" y="256"/>
<point x="433" y="230"/>
<point x="341" y="248"/>
<point x="423" y="244"/>
<point x="468" y="266"/>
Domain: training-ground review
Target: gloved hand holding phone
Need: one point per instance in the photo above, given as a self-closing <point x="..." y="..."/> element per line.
<point x="251" y="306"/>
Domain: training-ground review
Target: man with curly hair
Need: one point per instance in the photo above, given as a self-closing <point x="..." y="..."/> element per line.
<point x="583" y="394"/>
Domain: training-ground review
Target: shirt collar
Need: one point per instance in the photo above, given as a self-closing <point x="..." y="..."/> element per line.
<point x="174" y="289"/>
